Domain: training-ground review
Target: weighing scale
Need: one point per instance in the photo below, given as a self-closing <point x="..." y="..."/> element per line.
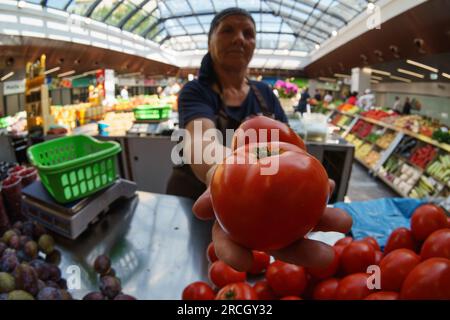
<point x="71" y="219"/>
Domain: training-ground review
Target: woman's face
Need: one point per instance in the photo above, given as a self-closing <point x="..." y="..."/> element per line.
<point x="233" y="41"/>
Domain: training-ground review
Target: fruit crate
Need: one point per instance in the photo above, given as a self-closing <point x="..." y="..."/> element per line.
<point x="75" y="167"/>
<point x="148" y="112"/>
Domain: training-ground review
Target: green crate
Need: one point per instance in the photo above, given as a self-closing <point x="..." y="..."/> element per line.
<point x="148" y="112"/>
<point x="75" y="167"/>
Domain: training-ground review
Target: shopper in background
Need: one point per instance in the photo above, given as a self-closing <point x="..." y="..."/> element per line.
<point x="328" y="97"/>
<point x="397" y="107"/>
<point x="318" y="96"/>
<point x="366" y="101"/>
<point x="221" y="99"/>
<point x="407" y="106"/>
<point x="304" y="98"/>
<point x="353" y="98"/>
<point x="124" y="93"/>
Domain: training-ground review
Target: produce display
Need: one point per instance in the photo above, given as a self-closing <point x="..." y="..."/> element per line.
<point x="423" y="155"/>
<point x="442" y="135"/>
<point x="440" y="169"/>
<point x="341" y="120"/>
<point x="406" y="147"/>
<point x="414" y="265"/>
<point x="349" y="108"/>
<point x="362" y="151"/>
<point x="376" y="114"/>
<point x="16" y="125"/>
<point x="427" y="186"/>
<point x="372" y="158"/>
<point x="362" y="129"/>
<point x="385" y="140"/>
<point x="406" y="178"/>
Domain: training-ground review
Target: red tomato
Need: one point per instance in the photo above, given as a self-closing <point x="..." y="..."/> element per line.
<point x="198" y="291"/>
<point x="437" y="245"/>
<point x="244" y="134"/>
<point x="291" y="298"/>
<point x="286" y="279"/>
<point x="400" y="238"/>
<point x="339" y="249"/>
<point x="344" y="241"/>
<point x="378" y="257"/>
<point x="383" y="295"/>
<point x="264" y="291"/>
<point x="426" y="219"/>
<point x="428" y="280"/>
<point x="326" y="290"/>
<point x="222" y="274"/>
<point x="329" y="271"/>
<point x="261" y="261"/>
<point x="211" y="253"/>
<point x="448" y="222"/>
<point x="395" y="267"/>
<point x="353" y="287"/>
<point x="373" y="242"/>
<point x="261" y="211"/>
<point x="311" y="284"/>
<point x="237" y="291"/>
<point x="357" y="256"/>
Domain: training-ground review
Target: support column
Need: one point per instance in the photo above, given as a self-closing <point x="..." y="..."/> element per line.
<point x="360" y="80"/>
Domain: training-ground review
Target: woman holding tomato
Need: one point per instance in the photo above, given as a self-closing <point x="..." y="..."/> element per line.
<point x="222" y="98"/>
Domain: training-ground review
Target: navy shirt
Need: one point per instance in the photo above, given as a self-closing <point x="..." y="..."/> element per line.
<point x="197" y="99"/>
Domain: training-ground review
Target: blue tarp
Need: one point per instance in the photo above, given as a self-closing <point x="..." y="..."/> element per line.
<point x="378" y="218"/>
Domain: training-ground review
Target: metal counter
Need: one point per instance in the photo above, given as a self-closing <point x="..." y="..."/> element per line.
<point x="155" y="243"/>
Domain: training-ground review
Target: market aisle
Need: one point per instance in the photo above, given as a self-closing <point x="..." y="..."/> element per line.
<point x="363" y="187"/>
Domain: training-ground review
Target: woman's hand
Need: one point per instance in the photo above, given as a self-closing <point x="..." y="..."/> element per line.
<point x="305" y="252"/>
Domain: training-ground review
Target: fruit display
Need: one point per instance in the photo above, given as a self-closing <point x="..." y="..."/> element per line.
<point x="426" y="186"/>
<point x="373" y="137"/>
<point x="372" y="158"/>
<point x="362" y="129"/>
<point x="442" y="135"/>
<point x="362" y="151"/>
<point x="15" y="125"/>
<point x="440" y="169"/>
<point x="376" y="114"/>
<point x="407" y="178"/>
<point x="348" y="108"/>
<point x="341" y="120"/>
<point x="423" y="155"/>
<point x="414" y="265"/>
<point x="116" y="123"/>
<point x="385" y="140"/>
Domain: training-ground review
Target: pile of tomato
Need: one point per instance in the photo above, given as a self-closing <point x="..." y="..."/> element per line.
<point x="415" y="264"/>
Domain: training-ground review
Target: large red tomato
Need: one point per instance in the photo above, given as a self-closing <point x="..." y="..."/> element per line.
<point x="372" y="241"/>
<point x="269" y="210"/>
<point x="286" y="279"/>
<point x="198" y="291"/>
<point x="378" y="257"/>
<point x="426" y="219"/>
<point x="400" y="238"/>
<point x="211" y="253"/>
<point x="328" y="271"/>
<point x="291" y="298"/>
<point x="344" y="241"/>
<point x="264" y="291"/>
<point x="261" y="261"/>
<point x="237" y="291"/>
<point x="383" y="295"/>
<point x="326" y="290"/>
<point x="261" y="132"/>
<point x="357" y="256"/>
<point x="353" y="287"/>
<point x="428" y="280"/>
<point x="222" y="274"/>
<point x="437" y="245"/>
<point x="395" y="267"/>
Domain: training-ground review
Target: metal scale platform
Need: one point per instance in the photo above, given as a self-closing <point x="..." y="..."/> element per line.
<point x="71" y="219"/>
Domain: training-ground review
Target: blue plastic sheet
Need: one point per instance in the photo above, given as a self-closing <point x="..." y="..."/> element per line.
<point x="378" y="218"/>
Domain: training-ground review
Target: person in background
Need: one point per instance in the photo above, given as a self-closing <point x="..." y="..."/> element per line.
<point x="303" y="101"/>
<point x="366" y="101"/>
<point x="124" y="93"/>
<point x="353" y="98"/>
<point x="318" y="96"/>
<point x="407" y="106"/>
<point x="397" y="105"/>
<point x="328" y="97"/>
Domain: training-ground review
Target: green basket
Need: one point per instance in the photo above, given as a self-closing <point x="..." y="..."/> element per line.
<point x="148" y="112"/>
<point x="75" y="167"/>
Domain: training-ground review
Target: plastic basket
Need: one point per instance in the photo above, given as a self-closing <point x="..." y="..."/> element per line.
<point x="148" y="112"/>
<point x="75" y="167"/>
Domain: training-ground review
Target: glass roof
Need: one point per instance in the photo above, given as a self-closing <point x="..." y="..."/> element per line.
<point x="182" y="25"/>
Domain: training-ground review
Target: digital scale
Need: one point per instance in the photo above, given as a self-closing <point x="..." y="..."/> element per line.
<point x="71" y="219"/>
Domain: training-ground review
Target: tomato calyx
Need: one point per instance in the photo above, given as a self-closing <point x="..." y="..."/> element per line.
<point x="230" y="295"/>
<point x="266" y="151"/>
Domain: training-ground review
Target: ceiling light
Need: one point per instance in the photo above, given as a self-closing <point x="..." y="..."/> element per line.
<point x="7" y="76"/>
<point x="446" y="75"/>
<point x="334" y="33"/>
<point x="65" y="74"/>
<point x="370" y="6"/>
<point x="52" y="70"/>
<point x="414" y="74"/>
<point x="340" y="75"/>
<point x="385" y="73"/>
<point x="374" y="81"/>
<point x="367" y="70"/>
<point x="327" y="79"/>
<point x="400" y="79"/>
<point x="376" y="78"/>
<point x="21" y="4"/>
<point x="317" y="46"/>
<point x="421" y="65"/>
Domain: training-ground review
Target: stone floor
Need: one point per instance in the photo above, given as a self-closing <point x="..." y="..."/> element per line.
<point x="364" y="187"/>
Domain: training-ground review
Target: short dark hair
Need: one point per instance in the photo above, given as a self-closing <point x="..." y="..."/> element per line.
<point x="225" y="13"/>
